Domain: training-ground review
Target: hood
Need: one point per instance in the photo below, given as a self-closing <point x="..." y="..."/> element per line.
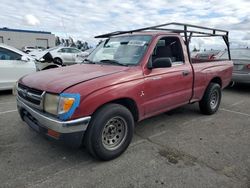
<point x="58" y="79"/>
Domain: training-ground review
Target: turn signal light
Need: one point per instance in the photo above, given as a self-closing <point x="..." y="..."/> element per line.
<point x="68" y="102"/>
<point x="248" y="66"/>
<point x="53" y="134"/>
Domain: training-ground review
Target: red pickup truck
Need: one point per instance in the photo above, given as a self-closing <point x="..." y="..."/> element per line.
<point x="130" y="76"/>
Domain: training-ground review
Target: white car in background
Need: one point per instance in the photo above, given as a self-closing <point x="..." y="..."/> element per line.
<point x="67" y="55"/>
<point x="29" y="49"/>
<point x="14" y="64"/>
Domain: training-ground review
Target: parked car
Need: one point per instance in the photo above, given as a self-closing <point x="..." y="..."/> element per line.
<point x="14" y="64"/>
<point x="66" y="55"/>
<point x="241" y="60"/>
<point x="28" y="49"/>
<point x="96" y="103"/>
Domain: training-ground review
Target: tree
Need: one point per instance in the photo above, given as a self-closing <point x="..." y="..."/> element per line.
<point x="82" y="45"/>
<point x="66" y="42"/>
<point x="58" y="42"/>
<point x="79" y="44"/>
<point x="71" y="42"/>
<point x="85" y="46"/>
<point x="63" y="42"/>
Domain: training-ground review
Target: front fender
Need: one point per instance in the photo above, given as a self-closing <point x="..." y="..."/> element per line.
<point x="129" y="90"/>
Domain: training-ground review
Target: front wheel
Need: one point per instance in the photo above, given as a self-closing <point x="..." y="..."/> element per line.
<point x="110" y="132"/>
<point x="211" y="99"/>
<point x="58" y="61"/>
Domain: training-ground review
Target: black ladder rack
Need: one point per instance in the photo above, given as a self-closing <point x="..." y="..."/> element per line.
<point x="187" y="32"/>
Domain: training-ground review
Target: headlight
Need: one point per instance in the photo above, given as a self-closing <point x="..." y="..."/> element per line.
<point x="51" y="103"/>
<point x="62" y="105"/>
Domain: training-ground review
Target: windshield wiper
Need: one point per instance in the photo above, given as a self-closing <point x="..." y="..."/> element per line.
<point x="88" y="61"/>
<point x="112" y="61"/>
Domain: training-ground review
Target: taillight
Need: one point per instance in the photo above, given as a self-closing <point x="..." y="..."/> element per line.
<point x="248" y="66"/>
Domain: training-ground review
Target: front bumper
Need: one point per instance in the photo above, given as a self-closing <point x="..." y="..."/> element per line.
<point x="69" y="132"/>
<point x="241" y="77"/>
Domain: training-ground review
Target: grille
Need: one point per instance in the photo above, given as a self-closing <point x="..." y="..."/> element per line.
<point x="31" y="95"/>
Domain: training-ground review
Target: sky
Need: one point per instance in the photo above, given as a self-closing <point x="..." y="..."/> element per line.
<point x="84" y="19"/>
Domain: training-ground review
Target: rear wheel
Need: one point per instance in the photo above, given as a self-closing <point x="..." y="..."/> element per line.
<point x="110" y="132"/>
<point x="211" y="99"/>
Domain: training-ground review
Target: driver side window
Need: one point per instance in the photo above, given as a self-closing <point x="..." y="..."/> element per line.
<point x="169" y="47"/>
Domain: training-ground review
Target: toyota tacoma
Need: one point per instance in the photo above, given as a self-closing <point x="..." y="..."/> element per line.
<point x="130" y="76"/>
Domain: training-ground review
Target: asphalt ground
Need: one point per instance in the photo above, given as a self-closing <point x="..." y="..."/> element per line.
<point x="180" y="148"/>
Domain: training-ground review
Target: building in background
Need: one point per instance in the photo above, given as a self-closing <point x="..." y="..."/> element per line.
<point x="20" y="38"/>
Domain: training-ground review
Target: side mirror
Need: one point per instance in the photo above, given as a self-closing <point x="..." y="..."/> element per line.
<point x="162" y="62"/>
<point x="25" y="58"/>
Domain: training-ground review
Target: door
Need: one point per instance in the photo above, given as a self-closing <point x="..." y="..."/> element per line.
<point x="12" y="68"/>
<point x="76" y="55"/>
<point x="42" y="43"/>
<point x="168" y="87"/>
<point x="66" y="55"/>
<point x="1" y="39"/>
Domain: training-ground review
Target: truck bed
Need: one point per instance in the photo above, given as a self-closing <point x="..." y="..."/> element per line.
<point x="205" y="71"/>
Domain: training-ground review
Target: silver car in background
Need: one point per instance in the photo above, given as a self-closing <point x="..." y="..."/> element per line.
<point x="67" y="55"/>
<point x="241" y="60"/>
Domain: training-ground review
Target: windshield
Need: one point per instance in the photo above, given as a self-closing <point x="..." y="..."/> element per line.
<point x="123" y="50"/>
<point x="237" y="54"/>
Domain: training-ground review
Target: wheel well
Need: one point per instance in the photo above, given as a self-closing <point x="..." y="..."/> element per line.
<point x="217" y="80"/>
<point x="130" y="104"/>
<point x="61" y="61"/>
<point x="50" y="67"/>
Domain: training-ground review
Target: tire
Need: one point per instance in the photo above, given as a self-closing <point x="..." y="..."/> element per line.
<point x="58" y="61"/>
<point x="211" y="99"/>
<point x="109" y="132"/>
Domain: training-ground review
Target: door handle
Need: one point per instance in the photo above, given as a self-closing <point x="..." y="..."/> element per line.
<point x="185" y="73"/>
